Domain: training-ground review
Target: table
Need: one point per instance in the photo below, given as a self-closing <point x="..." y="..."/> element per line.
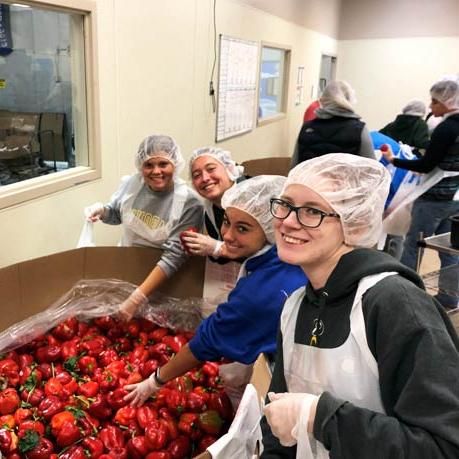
<point x="439" y="242"/>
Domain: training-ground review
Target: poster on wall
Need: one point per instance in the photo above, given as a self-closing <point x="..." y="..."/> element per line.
<point x="237" y="87"/>
<point x="6" y="41"/>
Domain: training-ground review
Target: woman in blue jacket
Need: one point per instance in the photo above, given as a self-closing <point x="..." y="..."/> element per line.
<point x="246" y="324"/>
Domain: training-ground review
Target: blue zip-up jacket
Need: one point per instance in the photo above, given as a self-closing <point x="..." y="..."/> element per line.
<point x="246" y="325"/>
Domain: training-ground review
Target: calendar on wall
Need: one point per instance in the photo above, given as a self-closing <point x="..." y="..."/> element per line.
<point x="237" y="87"/>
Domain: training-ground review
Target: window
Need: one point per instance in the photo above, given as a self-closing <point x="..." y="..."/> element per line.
<point x="46" y="125"/>
<point x="273" y="82"/>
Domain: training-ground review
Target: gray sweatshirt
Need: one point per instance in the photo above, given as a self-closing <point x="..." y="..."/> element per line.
<point x="151" y="211"/>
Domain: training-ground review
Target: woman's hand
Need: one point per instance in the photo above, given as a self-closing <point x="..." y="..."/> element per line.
<point x="201" y="244"/>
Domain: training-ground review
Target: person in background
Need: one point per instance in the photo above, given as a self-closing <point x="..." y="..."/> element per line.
<point x="310" y="113"/>
<point x="154" y="206"/>
<point x="212" y="172"/>
<point x="409" y="127"/>
<point x="431" y="211"/>
<point x="367" y="362"/>
<point x="337" y="128"/>
<point x="246" y="324"/>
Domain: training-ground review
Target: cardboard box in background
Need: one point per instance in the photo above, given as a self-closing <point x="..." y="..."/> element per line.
<point x="29" y="287"/>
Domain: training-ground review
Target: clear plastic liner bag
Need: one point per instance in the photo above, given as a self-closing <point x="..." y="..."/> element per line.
<point x="92" y="298"/>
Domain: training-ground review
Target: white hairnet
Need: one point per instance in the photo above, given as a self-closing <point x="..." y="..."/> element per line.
<point x="355" y="187"/>
<point x="252" y="197"/>
<point x="415" y="107"/>
<point x="446" y="91"/>
<point x="338" y="94"/>
<point x="159" y="145"/>
<point x="223" y="156"/>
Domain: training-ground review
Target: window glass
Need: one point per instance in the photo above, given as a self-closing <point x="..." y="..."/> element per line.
<point x="272" y="82"/>
<point x="43" y="128"/>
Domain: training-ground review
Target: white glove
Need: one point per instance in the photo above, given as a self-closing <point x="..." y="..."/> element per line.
<point x="139" y="393"/>
<point x="94" y="212"/>
<point x="202" y="244"/>
<point x="285" y="412"/>
<point x="130" y="305"/>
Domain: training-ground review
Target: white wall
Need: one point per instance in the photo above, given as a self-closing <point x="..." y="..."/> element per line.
<point x="387" y="73"/>
<point x="155" y="60"/>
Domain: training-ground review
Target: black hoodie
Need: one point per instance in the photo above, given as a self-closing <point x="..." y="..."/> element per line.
<point x="417" y="352"/>
<point x="409" y="129"/>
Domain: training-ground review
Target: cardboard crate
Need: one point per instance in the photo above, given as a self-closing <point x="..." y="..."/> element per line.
<point x="30" y="287"/>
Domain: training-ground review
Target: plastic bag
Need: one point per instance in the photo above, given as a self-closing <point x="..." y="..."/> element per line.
<point x="92" y="298"/>
<point x="244" y="434"/>
<point x="87" y="235"/>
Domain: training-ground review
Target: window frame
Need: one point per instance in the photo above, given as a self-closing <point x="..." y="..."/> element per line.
<point x="285" y="83"/>
<point x="29" y="189"/>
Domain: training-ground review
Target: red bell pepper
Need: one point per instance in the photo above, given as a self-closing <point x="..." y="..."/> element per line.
<point x="189" y="425"/>
<point x="125" y="414"/>
<point x="132" y="328"/>
<point x="221" y="403"/>
<point x="158" y="334"/>
<point x="88" y="389"/>
<point x="115" y="398"/>
<point x="145" y="414"/>
<point x="205" y="442"/>
<point x="179" y="448"/>
<point x="87" y="364"/>
<point x="107" y="356"/>
<point x="49" y="406"/>
<point x="32" y="397"/>
<point x="74" y="452"/>
<point x="137" y="447"/>
<point x="30" y="424"/>
<point x="158" y="455"/>
<point x="66" y="330"/>
<point x="21" y="414"/>
<point x="99" y="408"/>
<point x="6" y="441"/>
<point x="176" y="401"/>
<point x="156" y="435"/>
<point x="68" y="434"/>
<point x="8" y="421"/>
<point x="58" y="420"/>
<point x="9" y="372"/>
<point x="29" y="377"/>
<point x="93" y="446"/>
<point x="175" y="343"/>
<point x="112" y="437"/>
<point x="9" y="401"/>
<point x="48" y="354"/>
<point x="104" y="323"/>
<point x="34" y="446"/>
<point x="53" y="387"/>
<point x="138" y="355"/>
<point x="25" y="360"/>
<point x="148" y="368"/>
<point x="196" y="402"/>
<point x="210" y="368"/>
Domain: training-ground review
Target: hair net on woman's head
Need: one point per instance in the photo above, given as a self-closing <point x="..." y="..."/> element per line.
<point x="159" y="145"/>
<point x="415" y="107"/>
<point x="222" y="156"/>
<point x="252" y="197"/>
<point x="338" y="94"/>
<point x="446" y="91"/>
<point x="356" y="188"/>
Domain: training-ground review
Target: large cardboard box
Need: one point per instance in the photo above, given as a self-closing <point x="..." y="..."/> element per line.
<point x="30" y="287"/>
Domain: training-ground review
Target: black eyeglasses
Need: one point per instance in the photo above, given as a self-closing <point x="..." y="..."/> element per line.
<point x="307" y="216"/>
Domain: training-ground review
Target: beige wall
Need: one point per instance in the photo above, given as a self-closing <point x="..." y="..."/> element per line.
<point x="155" y="60"/>
<point x="394" y="50"/>
<point x="365" y="19"/>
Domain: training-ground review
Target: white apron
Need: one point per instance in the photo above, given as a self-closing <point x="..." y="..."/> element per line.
<point x="349" y="372"/>
<point x="134" y="228"/>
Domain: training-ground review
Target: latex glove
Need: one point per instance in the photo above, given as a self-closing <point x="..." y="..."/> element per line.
<point x="201" y="244"/>
<point x="235" y="378"/>
<point x="94" y="212"/>
<point x="284" y="414"/>
<point x="130" y="305"/>
<point x="140" y="392"/>
<point x="235" y="374"/>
